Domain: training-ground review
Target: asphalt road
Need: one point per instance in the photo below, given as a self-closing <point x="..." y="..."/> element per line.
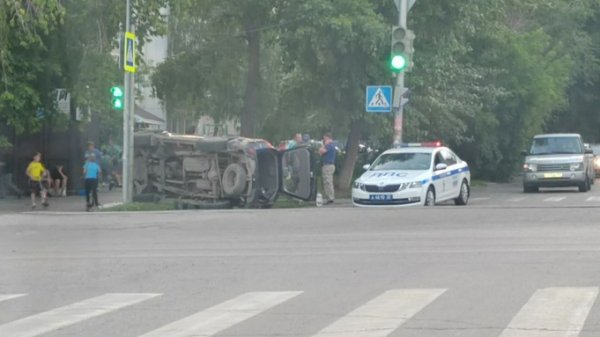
<point x="494" y="268"/>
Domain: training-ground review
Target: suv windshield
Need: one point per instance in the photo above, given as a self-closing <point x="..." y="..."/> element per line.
<point x="556" y="145"/>
<point x="402" y="161"/>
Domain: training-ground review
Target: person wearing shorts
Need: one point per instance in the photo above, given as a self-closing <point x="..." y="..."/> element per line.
<point x="59" y="180"/>
<point x="36" y="171"/>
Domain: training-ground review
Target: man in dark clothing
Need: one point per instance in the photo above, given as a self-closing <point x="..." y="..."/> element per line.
<point x="327" y="152"/>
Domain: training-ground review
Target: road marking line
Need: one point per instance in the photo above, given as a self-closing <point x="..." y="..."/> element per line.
<point x="111" y="204"/>
<point x="554" y="199"/>
<point x="515" y="199"/>
<point x="553" y="312"/>
<point x="10" y="296"/>
<point x="593" y="199"/>
<point x="74" y="313"/>
<point x="223" y="316"/>
<point x="382" y="315"/>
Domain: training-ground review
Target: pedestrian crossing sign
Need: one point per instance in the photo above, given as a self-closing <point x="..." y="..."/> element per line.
<point x="129" y="57"/>
<point x="379" y="98"/>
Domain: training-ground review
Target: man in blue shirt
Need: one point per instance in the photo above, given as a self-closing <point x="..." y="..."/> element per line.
<point x="327" y="152"/>
<point x="91" y="172"/>
<point x="92" y="150"/>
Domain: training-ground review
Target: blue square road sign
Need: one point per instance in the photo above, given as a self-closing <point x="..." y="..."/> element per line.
<point x="379" y="98"/>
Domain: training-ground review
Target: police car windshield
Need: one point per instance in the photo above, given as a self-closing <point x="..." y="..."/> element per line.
<point x="556" y="145"/>
<point x="402" y="161"/>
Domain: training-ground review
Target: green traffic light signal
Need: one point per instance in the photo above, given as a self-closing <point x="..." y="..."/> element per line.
<point x="399" y="62"/>
<point x="402" y="49"/>
<point x="117" y="98"/>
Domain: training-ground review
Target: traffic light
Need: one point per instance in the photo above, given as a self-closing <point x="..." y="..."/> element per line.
<point x="402" y="48"/>
<point x="118" y="99"/>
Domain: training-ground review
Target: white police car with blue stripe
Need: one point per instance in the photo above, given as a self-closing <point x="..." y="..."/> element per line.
<point x="414" y="174"/>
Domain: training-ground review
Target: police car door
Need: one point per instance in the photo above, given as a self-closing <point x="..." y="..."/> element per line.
<point x="439" y="175"/>
<point x="453" y="178"/>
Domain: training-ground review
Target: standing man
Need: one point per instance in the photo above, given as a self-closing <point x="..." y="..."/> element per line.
<point x="91" y="172"/>
<point x="35" y="171"/>
<point x="327" y="152"/>
<point x="92" y="150"/>
<point x="297" y="141"/>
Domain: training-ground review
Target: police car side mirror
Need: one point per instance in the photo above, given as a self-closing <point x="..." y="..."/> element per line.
<point x="366" y="167"/>
<point x="441" y="166"/>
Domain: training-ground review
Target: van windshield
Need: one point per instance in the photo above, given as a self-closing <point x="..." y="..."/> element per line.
<point x="556" y="145"/>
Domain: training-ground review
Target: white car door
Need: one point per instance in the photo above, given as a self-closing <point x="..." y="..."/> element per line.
<point x="454" y="175"/>
<point x="439" y="177"/>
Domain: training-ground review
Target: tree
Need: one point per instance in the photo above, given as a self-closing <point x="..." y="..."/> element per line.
<point x="332" y="50"/>
<point x="25" y="28"/>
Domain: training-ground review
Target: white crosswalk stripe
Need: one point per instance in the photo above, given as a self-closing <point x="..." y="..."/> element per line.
<point x="10" y="296"/>
<point x="68" y="315"/>
<point x="593" y="199"/>
<point x="515" y="199"/>
<point x="224" y="315"/>
<point x="382" y="315"/>
<point x="553" y="312"/>
<point x="549" y="312"/>
<point x="554" y="199"/>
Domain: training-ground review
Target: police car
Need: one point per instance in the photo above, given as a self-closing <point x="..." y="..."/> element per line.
<point x="414" y="174"/>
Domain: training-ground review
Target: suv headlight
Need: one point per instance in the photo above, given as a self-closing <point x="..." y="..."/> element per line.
<point x="576" y="166"/>
<point x="415" y="184"/>
<point x="528" y="167"/>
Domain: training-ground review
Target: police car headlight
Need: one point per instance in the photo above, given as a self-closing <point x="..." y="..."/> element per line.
<point x="416" y="184"/>
<point x="576" y="167"/>
<point x="358" y="185"/>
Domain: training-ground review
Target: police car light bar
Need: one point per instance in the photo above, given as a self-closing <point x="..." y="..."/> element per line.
<point x="423" y="144"/>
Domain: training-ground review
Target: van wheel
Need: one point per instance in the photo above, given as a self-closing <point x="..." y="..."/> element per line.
<point x="463" y="195"/>
<point x="234" y="180"/>
<point x="430" y="197"/>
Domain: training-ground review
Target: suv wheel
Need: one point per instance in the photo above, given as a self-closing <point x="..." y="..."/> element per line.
<point x="585" y="186"/>
<point x="530" y="188"/>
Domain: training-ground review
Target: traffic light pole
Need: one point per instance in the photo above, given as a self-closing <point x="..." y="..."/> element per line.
<point x="128" y="123"/>
<point x="402" y="6"/>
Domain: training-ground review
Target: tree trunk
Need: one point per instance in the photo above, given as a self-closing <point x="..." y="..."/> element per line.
<point x="248" y="120"/>
<point x="345" y="177"/>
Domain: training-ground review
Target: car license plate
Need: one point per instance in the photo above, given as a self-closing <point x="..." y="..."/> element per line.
<point x="381" y="197"/>
<point x="552" y="175"/>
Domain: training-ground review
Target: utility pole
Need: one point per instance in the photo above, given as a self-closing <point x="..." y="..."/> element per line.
<point x="128" y="119"/>
<point x="402" y="6"/>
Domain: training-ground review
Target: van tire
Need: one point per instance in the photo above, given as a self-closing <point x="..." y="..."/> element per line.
<point x="234" y="180"/>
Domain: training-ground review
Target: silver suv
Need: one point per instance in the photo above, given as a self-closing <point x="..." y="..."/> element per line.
<point x="557" y="160"/>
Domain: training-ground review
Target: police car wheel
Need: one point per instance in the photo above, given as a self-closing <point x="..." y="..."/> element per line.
<point x="463" y="196"/>
<point x="430" y="197"/>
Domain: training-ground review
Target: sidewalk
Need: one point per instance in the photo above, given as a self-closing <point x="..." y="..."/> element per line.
<point x="73" y="203"/>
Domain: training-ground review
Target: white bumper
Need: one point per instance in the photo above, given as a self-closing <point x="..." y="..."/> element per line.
<point x="404" y="198"/>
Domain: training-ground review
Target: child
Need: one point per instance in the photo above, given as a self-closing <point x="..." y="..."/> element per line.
<point x="59" y="180"/>
<point x="91" y="172"/>
<point x="35" y="171"/>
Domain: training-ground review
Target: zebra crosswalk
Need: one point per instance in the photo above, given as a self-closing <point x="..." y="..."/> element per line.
<point x="550" y="199"/>
<point x="549" y="312"/>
